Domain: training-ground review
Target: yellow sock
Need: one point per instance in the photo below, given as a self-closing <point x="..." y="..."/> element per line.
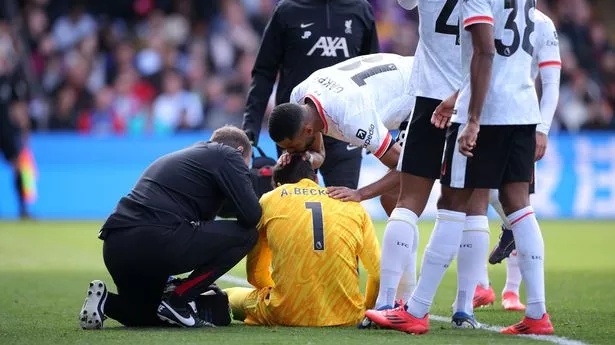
<point x="237" y="296"/>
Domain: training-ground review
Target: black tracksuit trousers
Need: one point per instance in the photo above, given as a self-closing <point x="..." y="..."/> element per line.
<point x="140" y="260"/>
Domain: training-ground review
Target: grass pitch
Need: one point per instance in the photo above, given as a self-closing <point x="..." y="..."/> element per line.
<point x="45" y="268"/>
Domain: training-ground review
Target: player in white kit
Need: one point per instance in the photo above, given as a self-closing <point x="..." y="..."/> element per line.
<point x="357" y="101"/>
<point x="547" y="63"/>
<point x="437" y="75"/>
<point x="503" y="107"/>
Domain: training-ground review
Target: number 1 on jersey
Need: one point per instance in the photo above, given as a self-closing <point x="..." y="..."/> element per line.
<point x="317" y="224"/>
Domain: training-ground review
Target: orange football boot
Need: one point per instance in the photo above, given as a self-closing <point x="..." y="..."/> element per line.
<point x="510" y="301"/>
<point x="483" y="297"/>
<point x="541" y="326"/>
<point x="399" y="319"/>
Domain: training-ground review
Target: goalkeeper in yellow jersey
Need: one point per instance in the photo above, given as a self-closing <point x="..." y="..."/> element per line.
<point x="304" y="266"/>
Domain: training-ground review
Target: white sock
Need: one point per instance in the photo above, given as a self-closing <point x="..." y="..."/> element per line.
<point x="441" y="250"/>
<point x="513" y="274"/>
<point x="530" y="253"/>
<point x="494" y="201"/>
<point x="397" y="247"/>
<point x="407" y="283"/>
<point x="471" y="261"/>
<point x="483" y="277"/>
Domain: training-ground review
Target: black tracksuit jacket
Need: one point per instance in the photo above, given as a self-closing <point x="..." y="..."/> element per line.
<point x="304" y="36"/>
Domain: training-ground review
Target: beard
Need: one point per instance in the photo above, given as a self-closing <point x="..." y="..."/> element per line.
<point x="309" y="142"/>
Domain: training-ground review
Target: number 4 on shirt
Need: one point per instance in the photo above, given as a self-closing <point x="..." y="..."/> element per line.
<point x="442" y="26"/>
<point x="317" y="224"/>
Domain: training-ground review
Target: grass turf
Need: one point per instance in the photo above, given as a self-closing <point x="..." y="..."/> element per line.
<point x="45" y="268"/>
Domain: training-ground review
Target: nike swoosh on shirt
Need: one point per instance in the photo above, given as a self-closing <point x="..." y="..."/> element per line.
<point x="186" y="321"/>
<point x="303" y="26"/>
<point x="351" y="147"/>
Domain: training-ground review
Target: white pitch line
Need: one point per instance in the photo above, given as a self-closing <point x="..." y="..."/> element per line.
<point x="496" y="329"/>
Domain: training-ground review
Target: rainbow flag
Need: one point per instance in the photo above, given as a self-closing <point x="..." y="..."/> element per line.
<point x="29" y="174"/>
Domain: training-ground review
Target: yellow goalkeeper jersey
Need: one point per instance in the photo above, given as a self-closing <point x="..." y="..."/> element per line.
<point x="308" y="251"/>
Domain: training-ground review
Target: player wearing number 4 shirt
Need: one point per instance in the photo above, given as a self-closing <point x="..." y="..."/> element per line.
<point x="503" y="107"/>
<point x="311" y="242"/>
<point x="357" y="101"/>
<point x="436" y="72"/>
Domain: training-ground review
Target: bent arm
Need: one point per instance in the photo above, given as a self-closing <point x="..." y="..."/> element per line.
<point x="234" y="180"/>
<point x="264" y="73"/>
<point x="317" y="152"/>
<point x="480" y="68"/>
<point x="370" y="44"/>
<point x="389" y="181"/>
<point x="258" y="263"/>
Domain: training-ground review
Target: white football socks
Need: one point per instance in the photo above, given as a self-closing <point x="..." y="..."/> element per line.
<point x="483" y="277"/>
<point x="397" y="246"/>
<point x="494" y="201"/>
<point x="530" y="253"/>
<point x="440" y="251"/>
<point x="471" y="261"/>
<point x="513" y="274"/>
<point x="407" y="283"/>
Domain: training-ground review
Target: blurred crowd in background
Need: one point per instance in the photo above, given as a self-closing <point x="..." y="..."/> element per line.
<point x="162" y="66"/>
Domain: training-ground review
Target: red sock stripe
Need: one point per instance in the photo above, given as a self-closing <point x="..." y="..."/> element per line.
<point x="181" y="289"/>
<point x="519" y="219"/>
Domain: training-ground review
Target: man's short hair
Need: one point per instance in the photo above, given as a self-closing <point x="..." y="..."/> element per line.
<point x="285" y="121"/>
<point x="293" y="172"/>
<point x="233" y="137"/>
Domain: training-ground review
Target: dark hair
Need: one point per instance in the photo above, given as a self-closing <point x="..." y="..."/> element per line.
<point x="285" y="121"/>
<point x="293" y="172"/>
<point x="233" y="137"/>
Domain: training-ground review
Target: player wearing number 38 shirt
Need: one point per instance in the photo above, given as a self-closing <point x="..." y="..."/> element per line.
<point x="304" y="266"/>
<point x="357" y="101"/>
<point x="490" y="144"/>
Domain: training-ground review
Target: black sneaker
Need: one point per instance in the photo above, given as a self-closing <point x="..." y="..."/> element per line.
<point x="92" y="313"/>
<point x="504" y="247"/>
<point x="181" y="316"/>
<point x="213" y="307"/>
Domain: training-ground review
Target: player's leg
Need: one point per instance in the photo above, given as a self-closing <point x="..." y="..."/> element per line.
<point x="506" y="244"/>
<point x="442" y="247"/>
<point x="510" y="293"/>
<point x="209" y="250"/>
<point x="407" y="283"/>
<point x="528" y="238"/>
<point x="136" y="301"/>
<point x="135" y="259"/>
<point x="505" y="249"/>
<point x="237" y="297"/>
<point x="420" y="167"/>
<point x="342" y="165"/>
<point x="20" y="191"/>
<point x="10" y="147"/>
<point x="471" y="261"/>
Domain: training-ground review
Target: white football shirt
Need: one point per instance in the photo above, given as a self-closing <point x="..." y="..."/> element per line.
<point x="511" y="97"/>
<point x="361" y="99"/>
<point x="547" y="62"/>
<point x="438" y="67"/>
<point x="546" y="47"/>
